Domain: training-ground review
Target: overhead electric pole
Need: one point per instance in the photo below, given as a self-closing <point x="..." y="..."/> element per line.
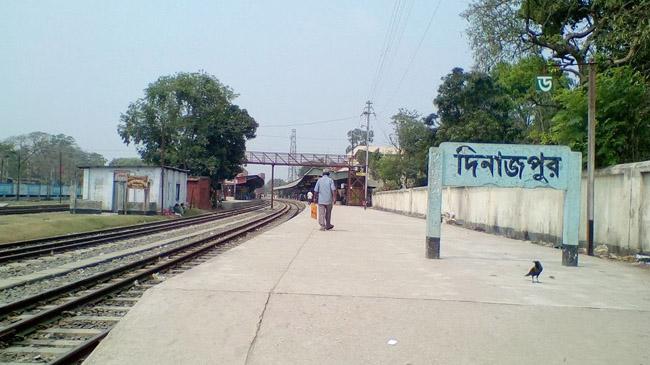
<point x="60" y="174"/>
<point x="591" y="157"/>
<point x="292" y="151"/>
<point x="162" y="168"/>
<point x="367" y="112"/>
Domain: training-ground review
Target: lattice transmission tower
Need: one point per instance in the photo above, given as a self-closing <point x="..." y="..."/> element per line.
<point x="293" y="171"/>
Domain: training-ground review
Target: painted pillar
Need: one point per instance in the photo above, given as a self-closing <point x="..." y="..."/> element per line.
<point x="571" y="221"/>
<point x="434" y="203"/>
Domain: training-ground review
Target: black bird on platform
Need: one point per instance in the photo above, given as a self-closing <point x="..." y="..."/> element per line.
<point x="535" y="271"/>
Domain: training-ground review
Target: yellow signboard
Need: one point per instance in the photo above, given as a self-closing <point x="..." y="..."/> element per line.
<point x="138" y="182"/>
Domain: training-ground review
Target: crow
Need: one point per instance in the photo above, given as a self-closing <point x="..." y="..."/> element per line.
<point x="535" y="271"/>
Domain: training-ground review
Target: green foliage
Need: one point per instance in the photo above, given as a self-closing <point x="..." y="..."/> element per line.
<point x="303" y="170"/>
<point x="472" y="107"/>
<point x="412" y="137"/>
<point x="276" y="183"/>
<point x="37" y="154"/>
<point x="622" y="115"/>
<point x="569" y="32"/>
<point x="189" y="121"/>
<point x="127" y="161"/>
<point x="357" y="137"/>
<point x="389" y="170"/>
<point x="530" y="107"/>
<point x="495" y="31"/>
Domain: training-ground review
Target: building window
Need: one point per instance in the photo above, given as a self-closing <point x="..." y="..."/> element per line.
<point x="178" y="192"/>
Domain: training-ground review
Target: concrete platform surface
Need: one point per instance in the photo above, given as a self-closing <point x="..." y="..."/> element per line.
<point x="364" y="294"/>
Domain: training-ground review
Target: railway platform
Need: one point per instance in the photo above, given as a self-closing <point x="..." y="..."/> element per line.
<point x="364" y="293"/>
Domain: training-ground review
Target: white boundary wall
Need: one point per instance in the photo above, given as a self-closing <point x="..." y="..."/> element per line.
<point x="621" y="218"/>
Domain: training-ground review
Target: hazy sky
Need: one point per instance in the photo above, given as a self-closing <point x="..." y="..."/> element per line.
<point x="73" y="66"/>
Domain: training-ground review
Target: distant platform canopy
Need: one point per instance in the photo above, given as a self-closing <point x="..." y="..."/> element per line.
<point x="307" y="181"/>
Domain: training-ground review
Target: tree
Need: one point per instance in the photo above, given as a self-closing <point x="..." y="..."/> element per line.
<point x="494" y="31"/>
<point x="188" y="120"/>
<point x="357" y="137"/>
<point x="6" y="153"/>
<point x="623" y="116"/>
<point x="45" y="158"/>
<point x="126" y="161"/>
<point x="569" y="32"/>
<point x="303" y="170"/>
<point x="529" y="107"/>
<point x="276" y="183"/>
<point x="390" y="172"/>
<point x="472" y="107"/>
<point x="412" y="137"/>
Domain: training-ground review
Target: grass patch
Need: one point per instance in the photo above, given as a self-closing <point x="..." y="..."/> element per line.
<point x="194" y="212"/>
<point x="19" y="227"/>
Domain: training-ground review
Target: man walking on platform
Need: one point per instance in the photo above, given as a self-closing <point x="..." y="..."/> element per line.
<point x="325" y="197"/>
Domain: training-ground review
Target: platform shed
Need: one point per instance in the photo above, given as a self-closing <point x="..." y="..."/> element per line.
<point x="134" y="188"/>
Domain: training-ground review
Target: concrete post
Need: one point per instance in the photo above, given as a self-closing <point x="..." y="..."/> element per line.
<point x="634" y="184"/>
<point x="571" y="222"/>
<point x="434" y="204"/>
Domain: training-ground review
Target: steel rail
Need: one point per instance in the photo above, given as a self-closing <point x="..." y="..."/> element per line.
<point x="79" y="235"/>
<point x="24" y="324"/>
<point x="48" y="248"/>
<point x="78" y="352"/>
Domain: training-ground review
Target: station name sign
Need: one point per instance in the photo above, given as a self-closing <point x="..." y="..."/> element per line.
<point x="509" y="166"/>
<point x="481" y="164"/>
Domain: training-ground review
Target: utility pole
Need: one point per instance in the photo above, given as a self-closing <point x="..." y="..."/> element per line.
<point x="367" y="112"/>
<point x="591" y="157"/>
<point x="272" y="178"/>
<point x="234" y="188"/>
<point x="18" y="186"/>
<point x="60" y="173"/>
<point x="162" y="167"/>
<point x="292" y="152"/>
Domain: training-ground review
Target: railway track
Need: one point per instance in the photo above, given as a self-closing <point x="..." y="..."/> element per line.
<point x="47" y="246"/>
<point x="29" y="209"/>
<point x="61" y="325"/>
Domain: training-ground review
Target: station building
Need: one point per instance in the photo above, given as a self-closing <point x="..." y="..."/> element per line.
<point x="135" y="189"/>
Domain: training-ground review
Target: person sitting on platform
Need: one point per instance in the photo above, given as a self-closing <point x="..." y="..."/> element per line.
<point x="177" y="210"/>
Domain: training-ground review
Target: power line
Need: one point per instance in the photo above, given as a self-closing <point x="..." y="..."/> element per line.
<point x="394" y="34"/>
<point x="301" y="138"/>
<point x="305" y="123"/>
<point x="414" y="55"/>
<point x="401" y="27"/>
<point x="385" y="46"/>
